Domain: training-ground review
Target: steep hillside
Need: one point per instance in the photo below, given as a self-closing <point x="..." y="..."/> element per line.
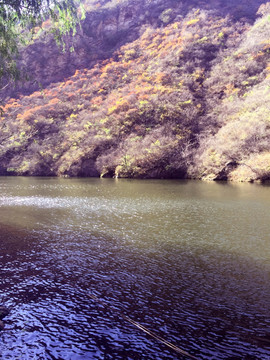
<point x="108" y="26"/>
<point x="189" y="97"/>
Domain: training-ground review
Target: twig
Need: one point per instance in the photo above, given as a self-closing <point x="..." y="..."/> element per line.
<point x="144" y="329"/>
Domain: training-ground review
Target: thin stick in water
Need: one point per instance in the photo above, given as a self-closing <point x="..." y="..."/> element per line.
<point x="144" y="329"/>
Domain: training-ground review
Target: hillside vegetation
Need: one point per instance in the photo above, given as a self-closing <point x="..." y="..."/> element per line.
<point x="185" y="97"/>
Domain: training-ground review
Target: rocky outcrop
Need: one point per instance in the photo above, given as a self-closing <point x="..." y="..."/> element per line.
<point x="101" y="33"/>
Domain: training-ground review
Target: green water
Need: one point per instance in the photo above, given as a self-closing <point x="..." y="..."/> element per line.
<point x="188" y="259"/>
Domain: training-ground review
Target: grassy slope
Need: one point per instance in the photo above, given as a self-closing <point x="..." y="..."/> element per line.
<point x="185" y="100"/>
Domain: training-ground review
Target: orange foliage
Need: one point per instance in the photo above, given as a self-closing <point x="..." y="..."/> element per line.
<point x="97" y="100"/>
<point x="156" y="92"/>
<point x="46" y="24"/>
<point x="53" y="101"/>
<point x="69" y="82"/>
<point x="78" y="72"/>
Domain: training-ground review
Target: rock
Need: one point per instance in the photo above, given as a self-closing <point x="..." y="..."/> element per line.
<point x="2" y="325"/>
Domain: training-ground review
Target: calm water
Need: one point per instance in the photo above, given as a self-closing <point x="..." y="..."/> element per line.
<point x="188" y="260"/>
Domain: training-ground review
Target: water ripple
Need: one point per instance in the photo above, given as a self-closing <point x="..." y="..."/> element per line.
<point x="163" y="262"/>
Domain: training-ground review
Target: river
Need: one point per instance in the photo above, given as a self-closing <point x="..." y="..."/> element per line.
<point x="188" y="260"/>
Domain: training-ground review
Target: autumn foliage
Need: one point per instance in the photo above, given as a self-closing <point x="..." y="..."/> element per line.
<point x="187" y="99"/>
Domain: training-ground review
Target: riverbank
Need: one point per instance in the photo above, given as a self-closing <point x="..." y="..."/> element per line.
<point x="187" y="98"/>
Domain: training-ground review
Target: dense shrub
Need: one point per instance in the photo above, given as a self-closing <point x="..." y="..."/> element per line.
<point x="189" y="99"/>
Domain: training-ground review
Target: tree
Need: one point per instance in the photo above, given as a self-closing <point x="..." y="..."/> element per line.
<point x="19" y="18"/>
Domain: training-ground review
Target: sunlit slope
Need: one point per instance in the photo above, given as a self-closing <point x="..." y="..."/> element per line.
<point x="185" y="100"/>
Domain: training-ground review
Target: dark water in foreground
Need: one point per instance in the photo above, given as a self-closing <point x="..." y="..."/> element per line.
<point x="188" y="260"/>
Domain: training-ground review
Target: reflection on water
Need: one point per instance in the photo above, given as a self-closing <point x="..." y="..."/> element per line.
<point x="188" y="260"/>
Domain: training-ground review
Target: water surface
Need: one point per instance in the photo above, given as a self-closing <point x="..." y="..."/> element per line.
<point x="188" y="260"/>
